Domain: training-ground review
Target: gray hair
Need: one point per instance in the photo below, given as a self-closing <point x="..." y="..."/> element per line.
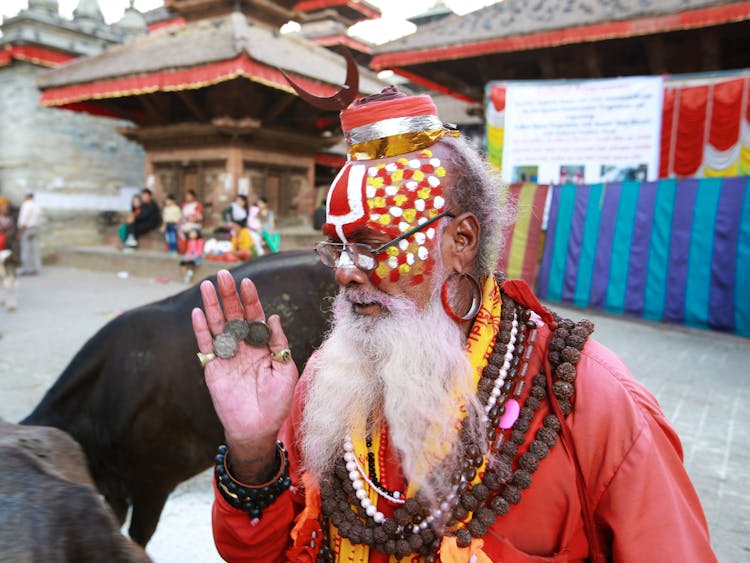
<point x="477" y="188"/>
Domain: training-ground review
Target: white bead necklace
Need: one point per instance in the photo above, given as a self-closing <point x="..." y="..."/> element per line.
<point x="496" y="389"/>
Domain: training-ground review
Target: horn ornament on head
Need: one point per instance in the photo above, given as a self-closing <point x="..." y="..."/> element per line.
<point x="341" y="99"/>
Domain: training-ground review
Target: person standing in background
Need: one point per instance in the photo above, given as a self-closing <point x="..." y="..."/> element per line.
<point x="29" y="223"/>
<point x="171" y="216"/>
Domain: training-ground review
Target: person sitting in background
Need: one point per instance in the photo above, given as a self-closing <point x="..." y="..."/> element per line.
<point x="193" y="255"/>
<point x="236" y="212"/>
<point x="170" y="216"/>
<point x="135" y="209"/>
<point x="146" y="219"/>
<point x="192" y="214"/>
<point x="243" y="245"/>
<point x="255" y="227"/>
<point x="267" y="220"/>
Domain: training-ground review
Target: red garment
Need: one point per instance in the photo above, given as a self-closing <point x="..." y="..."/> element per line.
<point x="645" y="506"/>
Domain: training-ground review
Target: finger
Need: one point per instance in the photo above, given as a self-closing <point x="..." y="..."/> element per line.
<point x="214" y="315"/>
<point x="202" y="334"/>
<point x="278" y="340"/>
<point x="229" y="297"/>
<point x="251" y="300"/>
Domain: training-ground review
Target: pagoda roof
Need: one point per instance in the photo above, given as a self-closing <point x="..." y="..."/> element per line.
<point x="517" y="25"/>
<point x="197" y="55"/>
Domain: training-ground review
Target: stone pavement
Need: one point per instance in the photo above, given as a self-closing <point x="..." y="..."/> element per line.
<point x="701" y="379"/>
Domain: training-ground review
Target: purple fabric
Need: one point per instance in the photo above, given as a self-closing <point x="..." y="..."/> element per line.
<point x="723" y="266"/>
<point x="679" y="250"/>
<point x="604" y="245"/>
<point x="639" y="249"/>
<point x="575" y="240"/>
<point x="549" y="244"/>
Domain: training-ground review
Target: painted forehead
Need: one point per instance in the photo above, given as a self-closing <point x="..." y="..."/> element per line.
<point x="390" y="196"/>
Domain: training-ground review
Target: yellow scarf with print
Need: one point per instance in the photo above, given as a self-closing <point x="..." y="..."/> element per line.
<point x="479" y="345"/>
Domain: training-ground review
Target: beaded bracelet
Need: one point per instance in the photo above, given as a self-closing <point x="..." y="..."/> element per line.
<point x="251" y="498"/>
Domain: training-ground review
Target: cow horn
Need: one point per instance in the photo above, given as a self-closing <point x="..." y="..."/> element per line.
<point x="341" y="99"/>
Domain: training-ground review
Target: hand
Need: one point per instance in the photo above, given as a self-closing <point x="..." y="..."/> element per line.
<point x="252" y="394"/>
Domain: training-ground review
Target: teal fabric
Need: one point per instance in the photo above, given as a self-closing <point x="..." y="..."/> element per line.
<point x="618" y="269"/>
<point x="698" y="283"/>
<point x="658" y="256"/>
<point x="742" y="275"/>
<point x="588" y="245"/>
<point x="560" y="248"/>
<point x="273" y="240"/>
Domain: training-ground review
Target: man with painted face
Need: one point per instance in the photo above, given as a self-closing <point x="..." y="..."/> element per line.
<point x="447" y="416"/>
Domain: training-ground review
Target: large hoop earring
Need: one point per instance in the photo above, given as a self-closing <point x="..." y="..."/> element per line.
<point x="476" y="297"/>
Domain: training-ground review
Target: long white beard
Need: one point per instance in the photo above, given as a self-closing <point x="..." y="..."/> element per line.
<point x="409" y="366"/>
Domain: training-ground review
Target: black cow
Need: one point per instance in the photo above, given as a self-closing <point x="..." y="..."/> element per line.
<point x="49" y="508"/>
<point x="134" y="395"/>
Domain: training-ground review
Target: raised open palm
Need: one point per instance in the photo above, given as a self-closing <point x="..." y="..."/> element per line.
<point x="251" y="391"/>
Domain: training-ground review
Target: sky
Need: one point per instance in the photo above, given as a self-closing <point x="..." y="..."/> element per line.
<point x="391" y="26"/>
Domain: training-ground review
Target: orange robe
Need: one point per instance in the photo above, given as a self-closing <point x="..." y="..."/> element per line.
<point x="644" y="504"/>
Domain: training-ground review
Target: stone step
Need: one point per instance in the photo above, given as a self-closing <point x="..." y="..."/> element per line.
<point x="140" y="263"/>
<point x="152" y="260"/>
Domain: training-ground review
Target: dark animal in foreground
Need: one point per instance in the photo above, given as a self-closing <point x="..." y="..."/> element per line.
<point x="134" y="395"/>
<point x="50" y="509"/>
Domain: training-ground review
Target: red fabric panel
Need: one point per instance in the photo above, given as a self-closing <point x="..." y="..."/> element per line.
<point x="497" y="96"/>
<point x="691" y="125"/>
<point x="183" y="79"/>
<point x="667" y="113"/>
<point x="726" y="114"/>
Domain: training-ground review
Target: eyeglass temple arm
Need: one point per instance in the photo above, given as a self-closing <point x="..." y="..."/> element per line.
<point x="414" y="230"/>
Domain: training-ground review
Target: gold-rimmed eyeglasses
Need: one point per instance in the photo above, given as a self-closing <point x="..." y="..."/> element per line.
<point x="361" y="255"/>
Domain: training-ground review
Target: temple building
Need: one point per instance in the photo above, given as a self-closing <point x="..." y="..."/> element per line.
<point x="209" y="104"/>
<point x="78" y="165"/>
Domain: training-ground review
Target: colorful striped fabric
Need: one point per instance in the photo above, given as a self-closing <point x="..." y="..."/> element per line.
<point x="523" y="239"/>
<point x="674" y="251"/>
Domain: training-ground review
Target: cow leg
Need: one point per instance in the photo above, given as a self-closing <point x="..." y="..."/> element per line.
<point x="147" y="507"/>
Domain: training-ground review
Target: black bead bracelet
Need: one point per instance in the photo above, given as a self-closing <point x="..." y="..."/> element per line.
<point x="251" y="498"/>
